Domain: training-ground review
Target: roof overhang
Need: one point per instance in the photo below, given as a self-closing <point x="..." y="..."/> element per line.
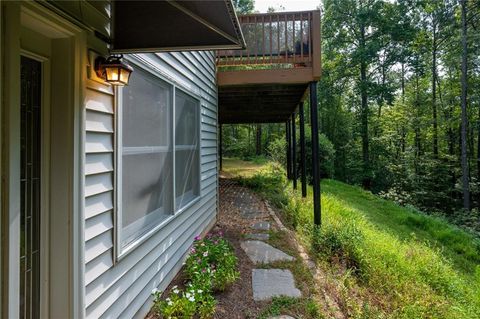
<point x="167" y="25"/>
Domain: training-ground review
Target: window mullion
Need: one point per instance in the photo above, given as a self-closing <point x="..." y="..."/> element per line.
<point x="173" y="128"/>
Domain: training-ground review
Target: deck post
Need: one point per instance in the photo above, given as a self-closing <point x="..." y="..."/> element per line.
<point x="294" y="152"/>
<point x="289" y="148"/>
<point x="303" y="161"/>
<point x="220" y="147"/>
<point x="317" y="213"/>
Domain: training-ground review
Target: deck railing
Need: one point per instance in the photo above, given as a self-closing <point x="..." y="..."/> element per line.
<point x="284" y="38"/>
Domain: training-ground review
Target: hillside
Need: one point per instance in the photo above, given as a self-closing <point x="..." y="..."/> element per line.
<point x="380" y="259"/>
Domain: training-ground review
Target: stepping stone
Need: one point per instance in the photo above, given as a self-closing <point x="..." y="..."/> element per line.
<point x="269" y="283"/>
<point x="281" y="317"/>
<point x="260" y="252"/>
<point x="261" y="226"/>
<point x="258" y="236"/>
<point x="250" y="214"/>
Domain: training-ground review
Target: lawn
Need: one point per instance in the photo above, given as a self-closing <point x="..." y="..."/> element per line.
<point x="234" y="167"/>
<point x="379" y="259"/>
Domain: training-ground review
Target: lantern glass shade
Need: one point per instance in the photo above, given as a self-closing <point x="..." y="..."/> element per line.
<point x="125" y="75"/>
<point x="112" y="74"/>
<point x="116" y="71"/>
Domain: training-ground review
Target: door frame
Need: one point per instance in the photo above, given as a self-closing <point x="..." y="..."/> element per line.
<point x="62" y="288"/>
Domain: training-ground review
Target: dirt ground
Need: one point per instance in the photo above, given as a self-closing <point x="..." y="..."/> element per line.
<point x="237" y="302"/>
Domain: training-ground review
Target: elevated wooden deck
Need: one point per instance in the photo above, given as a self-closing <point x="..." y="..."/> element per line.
<point x="266" y="81"/>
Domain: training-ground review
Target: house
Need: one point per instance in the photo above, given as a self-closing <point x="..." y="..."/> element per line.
<point x="104" y="187"/>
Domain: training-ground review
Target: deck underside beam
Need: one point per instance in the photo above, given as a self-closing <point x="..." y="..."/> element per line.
<point x="267" y="103"/>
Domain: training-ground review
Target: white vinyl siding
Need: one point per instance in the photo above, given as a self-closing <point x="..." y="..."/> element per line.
<point x="123" y="288"/>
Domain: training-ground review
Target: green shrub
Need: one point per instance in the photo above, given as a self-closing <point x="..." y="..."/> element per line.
<point x="212" y="263"/>
<point x="276" y="150"/>
<point x="211" y="266"/>
<point x="184" y="304"/>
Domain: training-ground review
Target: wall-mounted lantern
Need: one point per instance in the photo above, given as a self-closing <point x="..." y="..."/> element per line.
<point x="113" y="70"/>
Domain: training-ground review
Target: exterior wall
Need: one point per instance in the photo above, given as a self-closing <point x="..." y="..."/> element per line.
<point x="122" y="288"/>
<point x="84" y="277"/>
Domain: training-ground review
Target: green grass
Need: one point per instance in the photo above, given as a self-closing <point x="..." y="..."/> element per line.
<point x="233" y="167"/>
<point x="388" y="261"/>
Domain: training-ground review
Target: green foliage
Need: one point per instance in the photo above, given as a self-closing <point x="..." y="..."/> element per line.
<point x="244" y="6"/>
<point x="398" y="262"/>
<point x="211" y="266"/>
<point x="282" y="304"/>
<point x="212" y="263"/>
<point x="267" y="183"/>
<point x="398" y="125"/>
<point x="327" y="155"/>
<point x="185" y="304"/>
<point x="276" y="151"/>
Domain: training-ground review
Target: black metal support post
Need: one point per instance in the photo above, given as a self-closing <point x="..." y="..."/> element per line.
<point x="289" y="148"/>
<point x="317" y="213"/>
<point x="220" y="147"/>
<point x="294" y="152"/>
<point x="303" y="160"/>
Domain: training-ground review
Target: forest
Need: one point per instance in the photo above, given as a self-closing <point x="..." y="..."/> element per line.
<point x="398" y="104"/>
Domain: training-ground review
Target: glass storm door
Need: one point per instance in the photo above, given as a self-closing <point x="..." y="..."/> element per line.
<point x="30" y="188"/>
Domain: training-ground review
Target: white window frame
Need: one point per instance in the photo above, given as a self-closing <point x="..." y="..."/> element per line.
<point x="122" y="250"/>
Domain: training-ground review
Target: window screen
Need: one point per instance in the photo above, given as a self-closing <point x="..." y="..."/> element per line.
<point x="146" y="155"/>
<point x="158" y="157"/>
<point x="186" y="149"/>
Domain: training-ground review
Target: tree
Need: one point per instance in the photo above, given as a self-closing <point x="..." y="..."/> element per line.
<point x="464" y="83"/>
<point x="244" y="6"/>
<point x="361" y="29"/>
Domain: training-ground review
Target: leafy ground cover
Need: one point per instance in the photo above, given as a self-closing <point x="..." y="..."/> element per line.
<point x="380" y="260"/>
<point x="210" y="267"/>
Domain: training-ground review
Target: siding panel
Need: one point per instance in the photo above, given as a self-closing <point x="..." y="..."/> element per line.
<point x="98" y="225"/>
<point x="98" y="163"/>
<point x="122" y="289"/>
<point x="99" y="122"/>
<point x="99" y="143"/>
<point x="97" y="204"/>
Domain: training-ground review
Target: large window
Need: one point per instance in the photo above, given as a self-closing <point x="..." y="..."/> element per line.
<point x="158" y="155"/>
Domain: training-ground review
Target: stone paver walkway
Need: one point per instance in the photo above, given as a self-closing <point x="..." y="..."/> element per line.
<point x="251" y="215"/>
<point x="258" y="236"/>
<point x="262" y="253"/>
<point x="261" y="226"/>
<point x="269" y="283"/>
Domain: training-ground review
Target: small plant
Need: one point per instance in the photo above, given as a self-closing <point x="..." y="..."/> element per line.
<point x="184" y="304"/>
<point x="211" y="266"/>
<point x="212" y="263"/>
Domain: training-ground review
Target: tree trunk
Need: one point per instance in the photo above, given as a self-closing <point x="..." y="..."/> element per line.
<point x="403" y="82"/>
<point x="478" y="150"/>
<point x="434" y="92"/>
<point x="259" y="140"/>
<point x="417" y="127"/>
<point x="364" y="116"/>
<point x="478" y="155"/>
<point x="463" y="135"/>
